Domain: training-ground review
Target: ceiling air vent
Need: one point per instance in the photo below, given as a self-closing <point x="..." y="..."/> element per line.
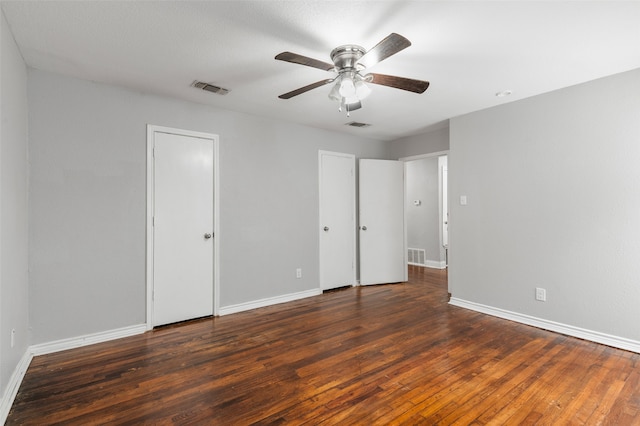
<point x="209" y="87"/>
<point x="357" y="124"/>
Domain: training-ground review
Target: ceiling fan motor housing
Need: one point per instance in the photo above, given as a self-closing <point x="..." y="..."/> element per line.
<point x="346" y="57"/>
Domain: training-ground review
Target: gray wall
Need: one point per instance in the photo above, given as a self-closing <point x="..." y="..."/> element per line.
<point x="424" y="143"/>
<point x="87" y="202"/>
<point x="423" y="221"/>
<point x="553" y="201"/>
<point x="13" y="205"/>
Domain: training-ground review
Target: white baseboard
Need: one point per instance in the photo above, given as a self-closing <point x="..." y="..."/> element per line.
<point x="569" y="330"/>
<point x="87" y="339"/>
<point x="240" y="307"/>
<point x="14" y="384"/>
<point x="435" y="264"/>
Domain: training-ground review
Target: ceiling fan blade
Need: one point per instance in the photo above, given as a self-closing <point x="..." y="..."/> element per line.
<point x="409" y="84"/>
<point x="306" y="88"/>
<point x="304" y="60"/>
<point x="390" y="45"/>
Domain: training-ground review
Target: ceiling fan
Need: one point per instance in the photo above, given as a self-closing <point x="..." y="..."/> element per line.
<point x="349" y="62"/>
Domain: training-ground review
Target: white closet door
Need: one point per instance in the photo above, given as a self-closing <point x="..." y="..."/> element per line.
<point x="382" y="228"/>
<point x="337" y="219"/>
<point x="183" y="228"/>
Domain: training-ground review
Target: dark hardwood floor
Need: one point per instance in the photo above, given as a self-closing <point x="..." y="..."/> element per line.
<point x="392" y="354"/>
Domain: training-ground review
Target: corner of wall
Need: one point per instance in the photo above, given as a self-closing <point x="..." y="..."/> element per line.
<point x="14" y="330"/>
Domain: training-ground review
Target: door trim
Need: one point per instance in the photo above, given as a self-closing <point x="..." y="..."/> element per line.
<point x="354" y="257"/>
<point x="421" y="156"/>
<point x="151" y="130"/>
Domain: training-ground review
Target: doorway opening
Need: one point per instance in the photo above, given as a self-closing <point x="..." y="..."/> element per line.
<point x="427" y="213"/>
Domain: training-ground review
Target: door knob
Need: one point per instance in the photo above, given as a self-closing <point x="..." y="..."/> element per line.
<point x="207" y="236"/>
<point x="364" y="228"/>
<point x="326" y="228"/>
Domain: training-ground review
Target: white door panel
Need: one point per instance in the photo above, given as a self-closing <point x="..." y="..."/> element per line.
<point x="183" y="214"/>
<point x="381" y="217"/>
<point x="337" y="219"/>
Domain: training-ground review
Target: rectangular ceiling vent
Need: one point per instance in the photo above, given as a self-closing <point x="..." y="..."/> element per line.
<point x="209" y="87"/>
<point x="357" y="124"/>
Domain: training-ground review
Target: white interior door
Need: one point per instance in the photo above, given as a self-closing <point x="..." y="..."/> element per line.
<point x="337" y="219"/>
<point x="182" y="228"/>
<point x="383" y="253"/>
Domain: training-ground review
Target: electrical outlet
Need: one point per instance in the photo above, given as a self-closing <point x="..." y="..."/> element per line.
<point x="299" y="273"/>
<point x="541" y="294"/>
<point x="13" y="337"/>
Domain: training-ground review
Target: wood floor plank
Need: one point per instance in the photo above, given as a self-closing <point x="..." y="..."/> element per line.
<point x="542" y="393"/>
<point x="374" y="355"/>
<point x="498" y="391"/>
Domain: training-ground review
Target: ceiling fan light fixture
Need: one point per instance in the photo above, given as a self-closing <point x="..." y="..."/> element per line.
<point x="350" y="89"/>
<point x="350" y="105"/>
<point x="351" y="100"/>
<point x="347" y="87"/>
<point x="362" y="90"/>
<point x="334" y="94"/>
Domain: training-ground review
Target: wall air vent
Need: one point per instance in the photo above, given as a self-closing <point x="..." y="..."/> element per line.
<point x="357" y="124"/>
<point x="416" y="256"/>
<point x="209" y="87"/>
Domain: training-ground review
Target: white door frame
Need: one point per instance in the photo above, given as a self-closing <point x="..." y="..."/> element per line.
<point x="420" y="157"/>
<point x="151" y="129"/>
<point x="352" y="183"/>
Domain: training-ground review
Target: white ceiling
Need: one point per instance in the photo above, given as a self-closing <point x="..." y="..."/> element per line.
<point x="467" y="50"/>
